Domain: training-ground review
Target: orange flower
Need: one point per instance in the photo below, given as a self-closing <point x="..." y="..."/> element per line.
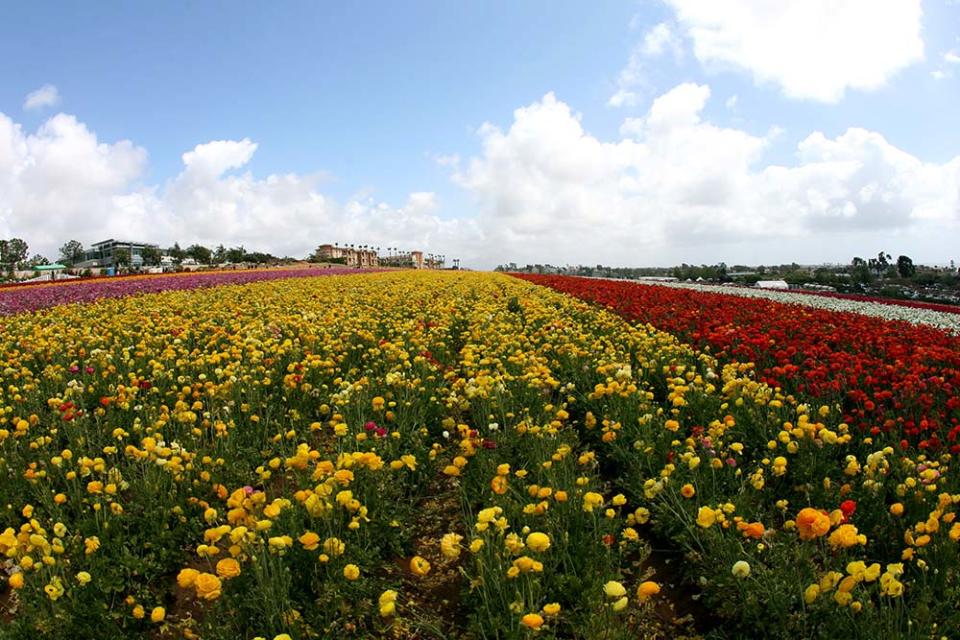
<point x="812" y="523"/>
<point x="532" y="620"/>
<point x="499" y="485"/>
<point x="751" y="530"/>
<point x="647" y="590"/>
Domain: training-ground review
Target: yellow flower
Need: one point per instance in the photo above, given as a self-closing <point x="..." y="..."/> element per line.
<point x="538" y="541"/>
<point x="334" y="546"/>
<point x="551" y="609"/>
<point x="351" y="572"/>
<point x="91" y="544"/>
<point x="54" y="589"/>
<point x="186" y="578"/>
<point x="706" y="517"/>
<point x="83" y="577"/>
<point x="138" y="612"/>
<point x="614" y="589"/>
<point x="208" y="586"/>
<point x="741" y="569"/>
<point x="811" y="593"/>
<point x="450" y="545"/>
<point x="16" y="580"/>
<point x="845" y="536"/>
<point x="228" y="568"/>
<point x="158" y="614"/>
<point x="387" y="602"/>
<point x="687" y="491"/>
<point x="419" y="566"/>
<point x="532" y="620"/>
<point x="591" y="501"/>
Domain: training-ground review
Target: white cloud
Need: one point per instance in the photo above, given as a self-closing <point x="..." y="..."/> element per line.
<point x="45" y="96"/>
<point x="951" y="57"/>
<point x="676" y="187"/>
<point x="661" y="39"/>
<point x="62" y="182"/>
<point x="672" y="187"/>
<point x="731" y="102"/>
<point x="812" y="49"/>
<point x="658" y="40"/>
<point x="628" y="80"/>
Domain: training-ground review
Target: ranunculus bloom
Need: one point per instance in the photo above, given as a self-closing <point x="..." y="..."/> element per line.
<point x="208" y="586"/>
<point x="228" y="568"/>
<point x="532" y="620"/>
<point x="706" y="517"/>
<point x="419" y="566"/>
<point x="187" y="578"/>
<point x="741" y="569"/>
<point x="538" y="541"/>
<point x="647" y="590"/>
<point x="614" y="589"/>
<point x="812" y="523"/>
<point x="310" y="541"/>
<point x="450" y="545"/>
<point x="846" y="535"/>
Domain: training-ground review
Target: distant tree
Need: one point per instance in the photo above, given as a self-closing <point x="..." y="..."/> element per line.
<point x="880" y="263"/>
<point x="199" y="253"/>
<point x="220" y="254"/>
<point x="151" y="256"/>
<point x="121" y="257"/>
<point x="71" y="252"/>
<point x="12" y="253"/>
<point x="176" y="253"/>
<point x="315" y="256"/>
<point x="236" y="254"/>
<point x="905" y="267"/>
<point x="37" y="260"/>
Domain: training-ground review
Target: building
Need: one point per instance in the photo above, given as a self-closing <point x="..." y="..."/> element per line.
<point x="413" y="260"/>
<point x="349" y="255"/>
<point x="104" y="253"/>
<point x="772" y="284"/>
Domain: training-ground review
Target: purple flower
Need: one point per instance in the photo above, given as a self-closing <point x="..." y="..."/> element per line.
<point x="33" y="297"/>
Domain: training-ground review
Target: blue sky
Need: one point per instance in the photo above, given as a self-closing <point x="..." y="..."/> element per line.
<point x="358" y="102"/>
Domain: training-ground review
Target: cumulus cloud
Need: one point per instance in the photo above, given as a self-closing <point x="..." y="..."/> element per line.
<point x="61" y="182"/>
<point x="671" y="187"/>
<point x="45" y="96"/>
<point x="675" y="186"/>
<point x="657" y="41"/>
<point x="811" y="49"/>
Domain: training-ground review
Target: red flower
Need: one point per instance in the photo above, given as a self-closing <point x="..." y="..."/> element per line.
<point x="848" y="507"/>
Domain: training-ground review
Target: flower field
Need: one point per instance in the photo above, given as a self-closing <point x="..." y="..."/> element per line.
<point x="889" y="376"/>
<point x="450" y="455"/>
<point x="31" y="297"/>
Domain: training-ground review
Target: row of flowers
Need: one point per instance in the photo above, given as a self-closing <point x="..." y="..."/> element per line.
<point x="34" y="297"/>
<point x="941" y="316"/>
<point x="888" y="376"/>
<point x="428" y="455"/>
